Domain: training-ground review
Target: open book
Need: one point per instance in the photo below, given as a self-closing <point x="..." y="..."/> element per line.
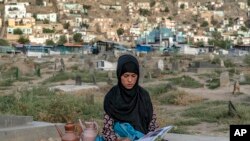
<point x="157" y="134"/>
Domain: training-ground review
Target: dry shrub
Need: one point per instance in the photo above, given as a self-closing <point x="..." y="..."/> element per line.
<point x="180" y="98"/>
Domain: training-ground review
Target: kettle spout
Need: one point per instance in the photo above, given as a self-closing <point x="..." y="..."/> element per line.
<point x="59" y="131"/>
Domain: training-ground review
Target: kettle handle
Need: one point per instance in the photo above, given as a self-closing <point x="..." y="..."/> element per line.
<point x="59" y="131"/>
<point x="81" y="124"/>
<point x="96" y="125"/>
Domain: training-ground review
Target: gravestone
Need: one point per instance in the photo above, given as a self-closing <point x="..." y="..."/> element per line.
<point x="222" y="63"/>
<point x="62" y="64"/>
<point x="14" y="121"/>
<point x="110" y="81"/>
<point x="242" y="77"/>
<point x="224" y="79"/>
<point x="211" y="57"/>
<point x="78" y="80"/>
<point x="175" y="66"/>
<point x="160" y="64"/>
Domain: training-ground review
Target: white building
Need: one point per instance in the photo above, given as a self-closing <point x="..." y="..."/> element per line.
<point x="25" y="30"/>
<point x="135" y="30"/>
<point x="201" y="39"/>
<point x="52" y="17"/>
<point x="188" y="50"/>
<point x="105" y="65"/>
<point x="15" y="10"/>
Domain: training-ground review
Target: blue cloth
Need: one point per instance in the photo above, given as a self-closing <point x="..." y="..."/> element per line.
<point x="125" y="130"/>
<point x="99" y="138"/>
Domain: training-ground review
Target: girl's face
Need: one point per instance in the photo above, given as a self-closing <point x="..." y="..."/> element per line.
<point x="129" y="79"/>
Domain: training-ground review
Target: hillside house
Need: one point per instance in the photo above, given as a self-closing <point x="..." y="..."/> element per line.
<point x="131" y="8"/>
<point x="170" y="24"/>
<point x="143" y="5"/>
<point x="102" y="24"/>
<point x="242" y="5"/>
<point x="115" y="6"/>
<point x="71" y="8"/>
<point x="38" y="28"/>
<point x="239" y="21"/>
<point x="184" y="3"/>
<point x="41" y="38"/>
<point x="135" y="30"/>
<point x="25" y="25"/>
<point x="201" y="38"/>
<point x="218" y="15"/>
<point x="206" y="15"/>
<point x="52" y="17"/>
<point x="15" y="10"/>
<point x="75" y="20"/>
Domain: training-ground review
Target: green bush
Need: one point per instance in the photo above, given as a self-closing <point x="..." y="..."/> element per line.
<point x="185" y="81"/>
<point x="217" y="111"/>
<point x="7" y="82"/>
<point x="45" y="105"/>
<point x="159" y="89"/>
<point x="228" y="63"/>
<point x="213" y="84"/>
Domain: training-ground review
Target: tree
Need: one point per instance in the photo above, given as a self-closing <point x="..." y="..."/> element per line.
<point x="152" y="3"/>
<point x="4" y="42"/>
<point x="47" y="30"/>
<point x="200" y="44"/>
<point x="77" y="37"/>
<point x="247" y="60"/>
<point x="182" y="6"/>
<point x="46" y="21"/>
<point x="166" y="9"/>
<point x="86" y="7"/>
<point x="66" y="25"/>
<point x="216" y="35"/>
<point x="247" y="23"/>
<point x="214" y="21"/>
<point x="50" y="42"/>
<point x="204" y="24"/>
<point x="220" y="43"/>
<point x="34" y="15"/>
<point x="248" y="2"/>
<point x="23" y="40"/>
<point x="18" y="31"/>
<point x="243" y="28"/>
<point x="39" y="2"/>
<point x="120" y="31"/>
<point x="144" y="12"/>
<point x="62" y="40"/>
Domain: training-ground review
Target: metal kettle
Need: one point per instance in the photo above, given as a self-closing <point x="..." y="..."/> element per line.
<point x="89" y="130"/>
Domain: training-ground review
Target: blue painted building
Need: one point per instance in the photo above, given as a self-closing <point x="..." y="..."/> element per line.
<point x="161" y="34"/>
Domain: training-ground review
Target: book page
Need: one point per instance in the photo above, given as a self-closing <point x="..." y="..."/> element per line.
<point x="151" y="136"/>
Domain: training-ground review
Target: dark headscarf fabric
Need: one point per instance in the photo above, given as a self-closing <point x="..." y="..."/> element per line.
<point x="129" y="105"/>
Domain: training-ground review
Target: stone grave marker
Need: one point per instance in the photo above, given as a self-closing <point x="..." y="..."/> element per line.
<point x="78" y="80"/>
<point x="224" y="79"/>
<point x="160" y="64"/>
<point x="242" y="77"/>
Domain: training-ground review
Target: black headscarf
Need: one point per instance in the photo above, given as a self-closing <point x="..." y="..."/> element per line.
<point x="129" y="105"/>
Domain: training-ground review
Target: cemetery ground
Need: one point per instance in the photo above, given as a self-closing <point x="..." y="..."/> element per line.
<point x="194" y="103"/>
